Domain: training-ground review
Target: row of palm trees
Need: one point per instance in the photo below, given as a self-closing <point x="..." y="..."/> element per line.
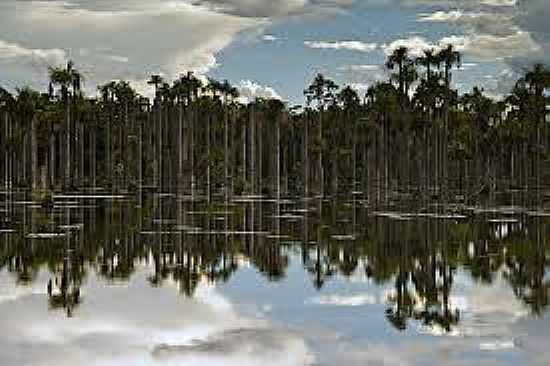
<point x="409" y="137"/>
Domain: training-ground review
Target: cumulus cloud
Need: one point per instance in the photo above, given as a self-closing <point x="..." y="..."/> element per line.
<point x="342" y="45"/>
<point x="490" y="47"/>
<point x="485" y="47"/>
<point x="514" y="29"/>
<point x="17" y="52"/>
<point x="226" y="348"/>
<point x="140" y="325"/>
<point x="276" y="8"/>
<point x="360" y="68"/>
<point x="250" y="90"/>
<point x="350" y="300"/>
<point x="416" y="45"/>
<point x="269" y="38"/>
<point x="120" y="40"/>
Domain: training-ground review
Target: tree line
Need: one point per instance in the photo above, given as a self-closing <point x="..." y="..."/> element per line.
<point x="412" y="137"/>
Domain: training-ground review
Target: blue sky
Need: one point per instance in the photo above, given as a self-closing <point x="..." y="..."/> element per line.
<point x="288" y="65"/>
<point x="267" y="48"/>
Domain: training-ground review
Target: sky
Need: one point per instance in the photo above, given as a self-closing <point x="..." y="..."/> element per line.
<point x="249" y="321"/>
<point x="268" y="48"/>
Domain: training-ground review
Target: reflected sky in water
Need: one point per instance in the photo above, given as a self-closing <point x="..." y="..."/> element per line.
<point x="121" y="294"/>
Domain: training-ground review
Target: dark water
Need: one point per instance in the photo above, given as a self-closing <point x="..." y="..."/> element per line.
<point x="256" y="281"/>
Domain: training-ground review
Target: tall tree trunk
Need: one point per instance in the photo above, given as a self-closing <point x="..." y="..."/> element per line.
<point x="252" y="121"/>
<point x="244" y="163"/>
<point x="320" y="161"/>
<point x="34" y="155"/>
<point x="68" y="156"/>
<point x="306" y="156"/>
<point x="7" y="153"/>
<point x="109" y="149"/>
<point x="226" y="152"/>
<point x="180" y="144"/>
<point x="208" y="159"/>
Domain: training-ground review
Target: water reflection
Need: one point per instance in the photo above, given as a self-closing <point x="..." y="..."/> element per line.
<point x="185" y="241"/>
<point x="336" y="265"/>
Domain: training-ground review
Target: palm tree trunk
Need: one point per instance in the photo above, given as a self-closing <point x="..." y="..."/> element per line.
<point x="140" y="162"/>
<point x="161" y="148"/>
<point x="6" y="154"/>
<point x="34" y="155"/>
<point x="68" y="156"/>
<point x="278" y="165"/>
<point x="354" y="159"/>
<point x="180" y="144"/>
<point x="93" y="153"/>
<point x="243" y="138"/>
<point x="259" y="133"/>
<point x="306" y="156"/>
<point x="208" y="159"/>
<point x="24" y="163"/>
<point x="226" y="153"/>
<point x="192" y="152"/>
<point x="320" y="162"/>
<point x="252" y="121"/>
<point x="109" y="150"/>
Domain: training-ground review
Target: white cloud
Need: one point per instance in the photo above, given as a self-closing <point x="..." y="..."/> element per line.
<point x="519" y="29"/>
<point x="337" y="300"/>
<point x="269" y="38"/>
<point x="490" y="47"/>
<point x="140" y="325"/>
<point x="483" y="47"/>
<point x="16" y="51"/>
<point x="500" y="2"/>
<point x="114" y="40"/>
<point x="342" y="45"/>
<point x="416" y="45"/>
<point x="441" y="16"/>
<point x="250" y="90"/>
<point x="276" y="8"/>
<point x="360" y="68"/>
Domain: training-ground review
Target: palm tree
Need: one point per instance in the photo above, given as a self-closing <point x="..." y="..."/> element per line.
<point x="428" y="95"/>
<point x="322" y="91"/>
<point x="538" y="80"/>
<point x="229" y="92"/>
<point x="107" y="92"/>
<point x="351" y="103"/>
<point x="126" y="96"/>
<point x="428" y="60"/>
<point x="448" y="57"/>
<point x="7" y="103"/>
<point x="67" y="78"/>
<point x="399" y="58"/>
<point x="26" y="106"/>
<point x="155" y="80"/>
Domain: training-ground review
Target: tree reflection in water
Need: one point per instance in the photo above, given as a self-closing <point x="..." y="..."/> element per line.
<point x="418" y="256"/>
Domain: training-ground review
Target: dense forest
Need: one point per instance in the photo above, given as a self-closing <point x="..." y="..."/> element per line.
<point x="411" y="138"/>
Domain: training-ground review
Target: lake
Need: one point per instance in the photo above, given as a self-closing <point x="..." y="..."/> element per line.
<point x="252" y="280"/>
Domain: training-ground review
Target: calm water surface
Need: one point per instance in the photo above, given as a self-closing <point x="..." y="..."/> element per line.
<point x="100" y="280"/>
